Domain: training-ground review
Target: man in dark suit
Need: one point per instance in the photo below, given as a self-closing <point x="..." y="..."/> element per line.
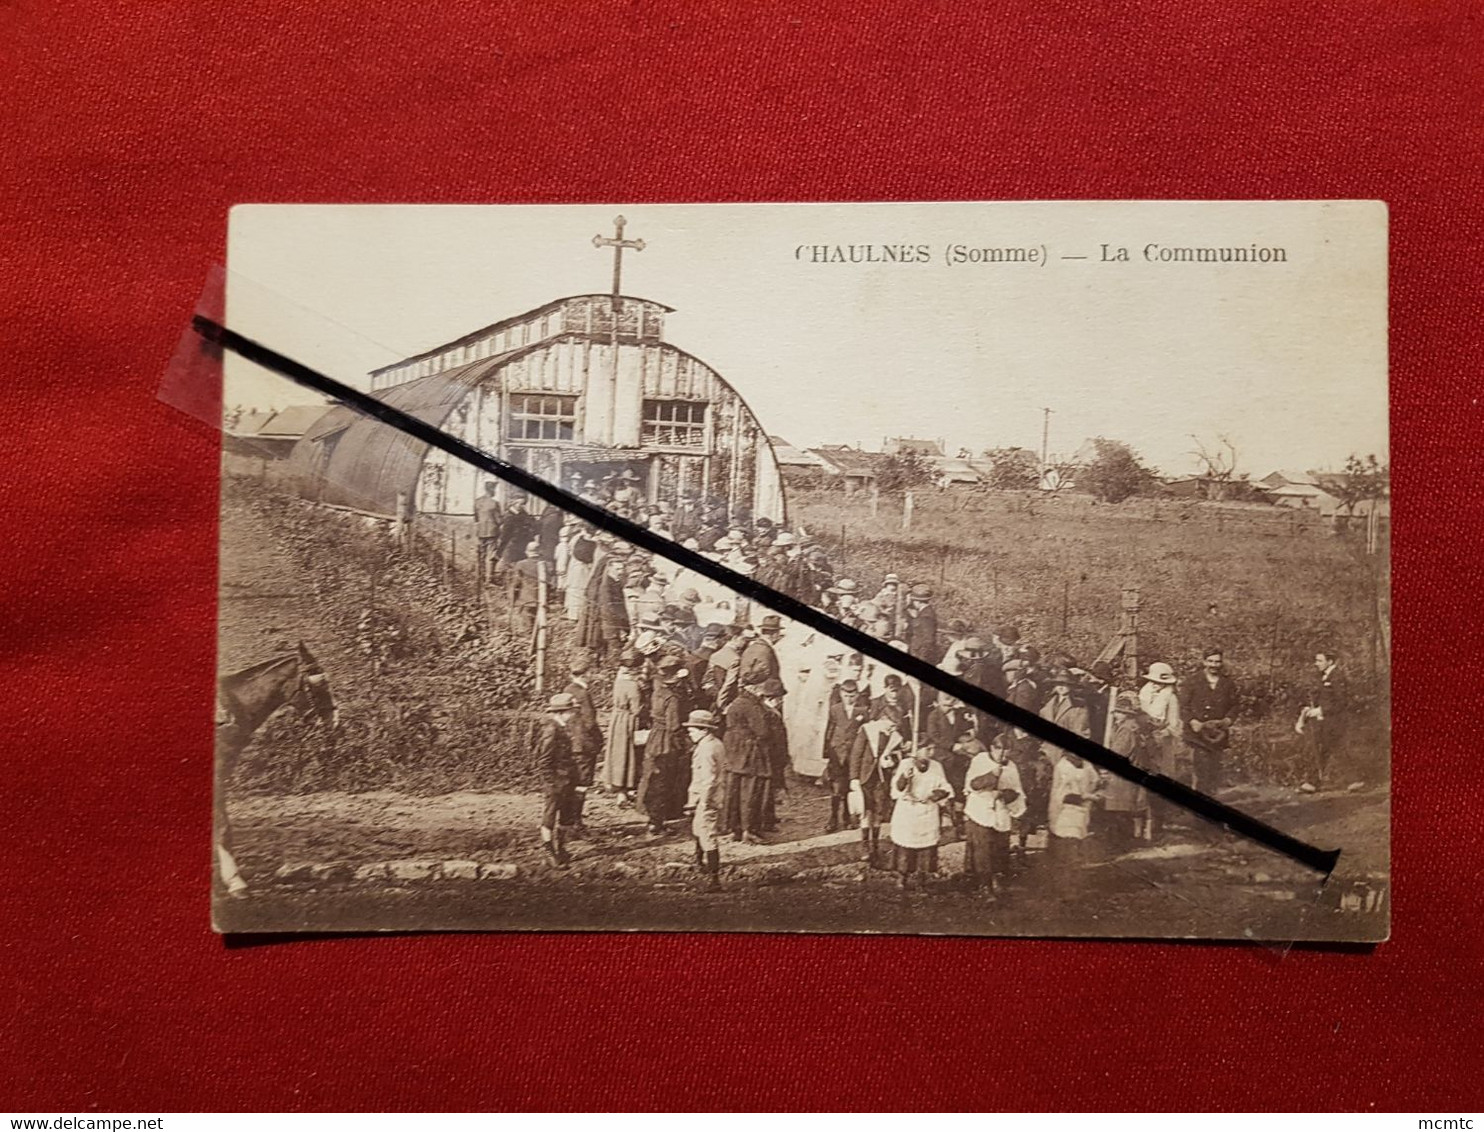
<point x="749" y="764"/>
<point x="759" y="660"/>
<point x="920" y="634"/>
<point x="549" y="531"/>
<point x="516" y="532"/>
<point x="1209" y="704"/>
<point x="849" y="709"/>
<point x="558" y="771"/>
<point x="1324" y="715"/>
<point x="585" y="734"/>
<point x="487" y="516"/>
<point x="879" y="746"/>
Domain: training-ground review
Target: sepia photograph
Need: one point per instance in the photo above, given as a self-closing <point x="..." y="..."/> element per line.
<point x="1121" y="464"/>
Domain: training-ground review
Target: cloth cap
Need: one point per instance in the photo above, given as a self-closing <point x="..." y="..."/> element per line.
<point x="921" y="592"/>
<point x="562" y="701"/>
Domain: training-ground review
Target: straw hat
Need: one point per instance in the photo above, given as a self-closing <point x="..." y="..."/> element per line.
<point x="1160" y="673"/>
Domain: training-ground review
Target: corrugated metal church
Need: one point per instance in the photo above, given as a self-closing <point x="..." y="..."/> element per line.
<point x="581" y="387"/>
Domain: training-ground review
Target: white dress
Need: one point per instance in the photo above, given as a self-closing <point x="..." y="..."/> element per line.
<point x="1070" y="819"/>
<point x="915" y="819"/>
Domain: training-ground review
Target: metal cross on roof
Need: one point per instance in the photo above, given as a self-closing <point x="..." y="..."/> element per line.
<point x="617" y="243"/>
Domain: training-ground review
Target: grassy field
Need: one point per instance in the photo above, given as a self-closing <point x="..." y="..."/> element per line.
<point x="1269" y="588"/>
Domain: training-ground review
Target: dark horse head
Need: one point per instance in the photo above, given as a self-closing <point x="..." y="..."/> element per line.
<point x="292" y="680"/>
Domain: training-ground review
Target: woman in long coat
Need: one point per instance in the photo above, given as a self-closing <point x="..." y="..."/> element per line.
<point x="1126" y="805"/>
<point x="662" y="792"/>
<point x="604" y="625"/>
<point x="620" y="754"/>
<point x="1161" y="707"/>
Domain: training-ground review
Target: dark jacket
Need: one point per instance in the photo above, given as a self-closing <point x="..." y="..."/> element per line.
<point x="549" y="531"/>
<point x="759" y="662"/>
<point x="516" y="532"/>
<point x="945" y="726"/>
<point x="748" y="732"/>
<point x="1200" y="701"/>
<point x="843" y="725"/>
<point x="554" y="761"/>
<point x="865" y="765"/>
<point x="920" y="634"/>
<point x="586" y="735"/>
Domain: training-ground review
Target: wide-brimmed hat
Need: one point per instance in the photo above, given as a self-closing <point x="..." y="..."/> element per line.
<point x="1160" y="673"/>
<point x="771" y="621"/>
<point x="772" y="687"/>
<point x="562" y="701"/>
<point x="891" y="579"/>
<point x="844" y="586"/>
<point x="702" y="718"/>
<point x="783" y="538"/>
<point x="973" y="644"/>
<point x="922" y="592"/>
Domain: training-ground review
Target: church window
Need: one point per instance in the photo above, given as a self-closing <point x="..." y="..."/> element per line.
<point x="535" y="416"/>
<point x="675" y="424"/>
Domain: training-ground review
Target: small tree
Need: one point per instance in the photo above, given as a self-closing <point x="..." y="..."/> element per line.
<point x="1012" y="469"/>
<point x="1363" y="481"/>
<point x="1218" y="467"/>
<point x="903" y="472"/>
<point x="1115" y="473"/>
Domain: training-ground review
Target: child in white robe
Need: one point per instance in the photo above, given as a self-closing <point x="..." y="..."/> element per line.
<point x="920" y="789"/>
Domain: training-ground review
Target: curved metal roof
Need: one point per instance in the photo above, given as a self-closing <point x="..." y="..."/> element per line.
<point x="371" y="463"/>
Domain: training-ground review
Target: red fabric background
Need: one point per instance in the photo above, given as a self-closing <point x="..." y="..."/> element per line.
<point x="130" y="129"/>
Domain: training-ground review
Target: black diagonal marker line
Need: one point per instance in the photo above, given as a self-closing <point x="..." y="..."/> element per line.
<point x="1219" y="813"/>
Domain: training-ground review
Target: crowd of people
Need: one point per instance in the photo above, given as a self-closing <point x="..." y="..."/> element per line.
<point x="717" y="707"/>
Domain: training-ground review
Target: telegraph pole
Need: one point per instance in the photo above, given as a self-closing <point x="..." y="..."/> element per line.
<point x="1045" y="437"/>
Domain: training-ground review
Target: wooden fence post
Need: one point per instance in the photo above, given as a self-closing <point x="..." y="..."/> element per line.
<point x="907" y="511"/>
<point x="1128" y="628"/>
<point x="540" y="668"/>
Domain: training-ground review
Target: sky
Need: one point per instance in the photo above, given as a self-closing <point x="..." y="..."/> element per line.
<point x="1287" y="360"/>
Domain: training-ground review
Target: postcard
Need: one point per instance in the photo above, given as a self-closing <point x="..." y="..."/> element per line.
<point x="1123" y="465"/>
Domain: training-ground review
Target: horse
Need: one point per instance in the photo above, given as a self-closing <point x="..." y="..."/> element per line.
<point x="245" y="701"/>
